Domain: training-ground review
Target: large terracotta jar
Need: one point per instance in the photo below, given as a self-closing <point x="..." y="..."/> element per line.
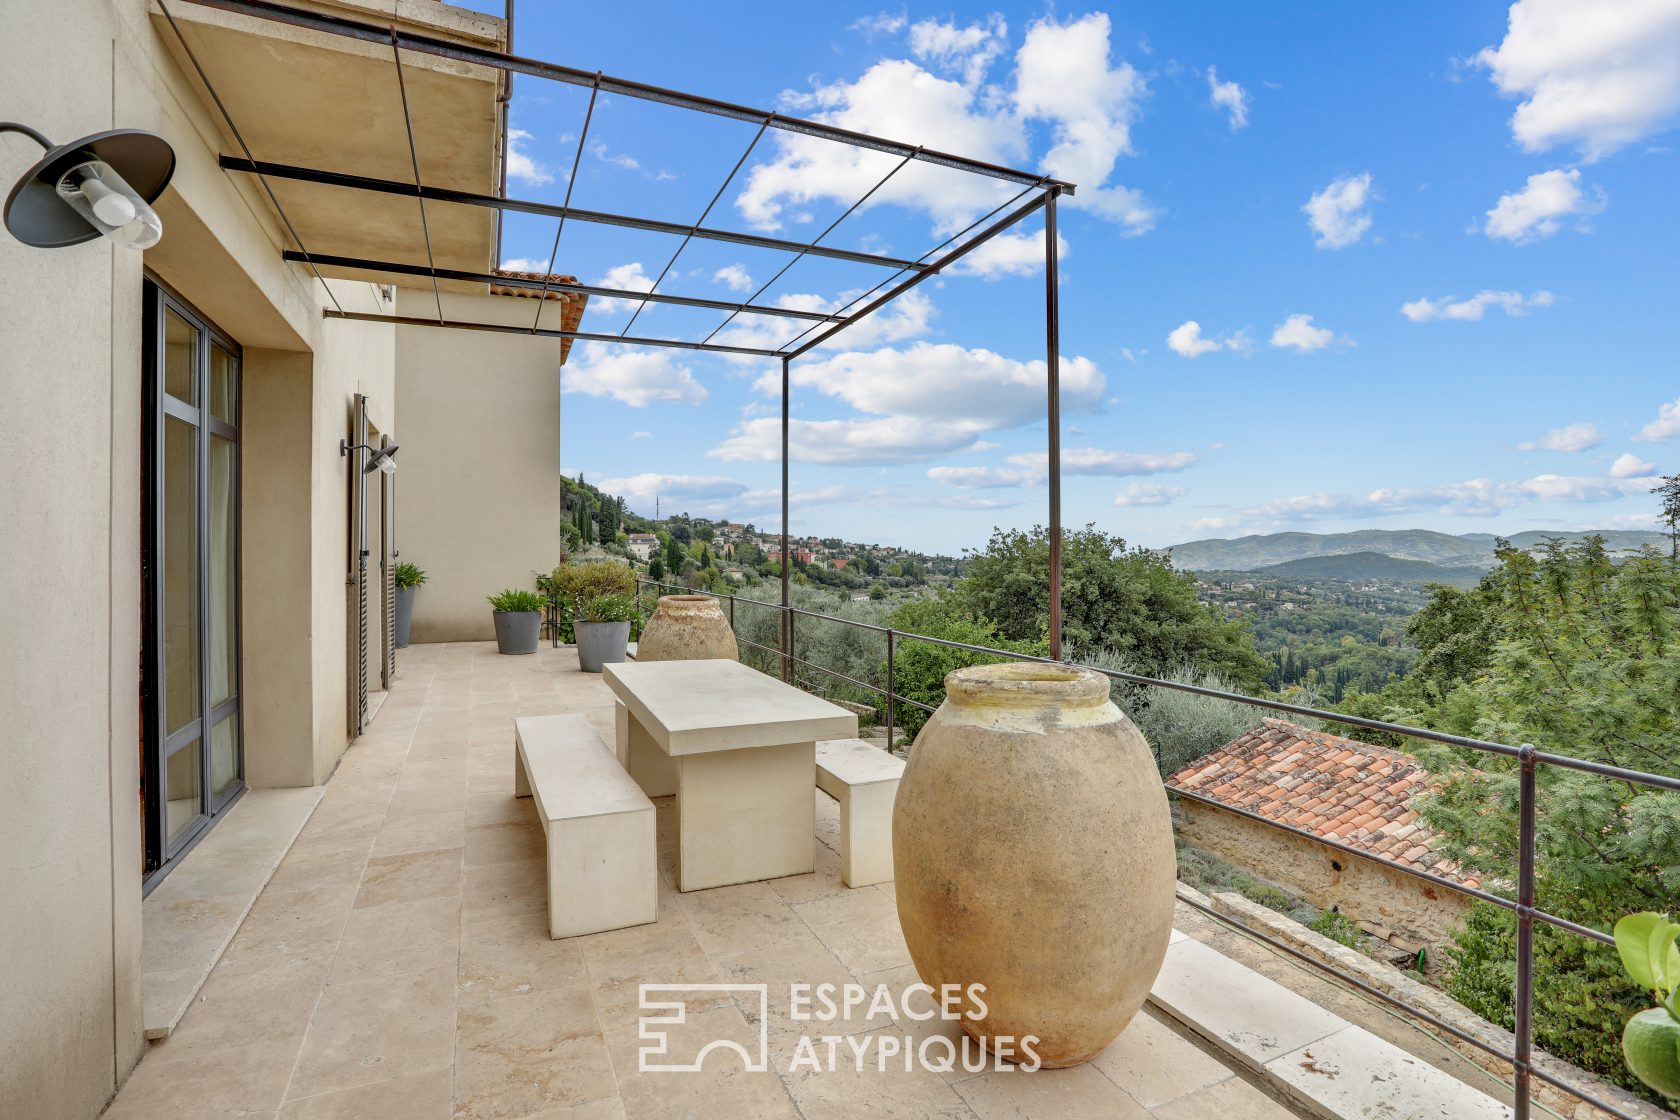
<point x="686" y="628"/>
<point x="1033" y="854"/>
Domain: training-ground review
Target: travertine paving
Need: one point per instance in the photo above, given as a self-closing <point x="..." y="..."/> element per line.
<point x="398" y="965"/>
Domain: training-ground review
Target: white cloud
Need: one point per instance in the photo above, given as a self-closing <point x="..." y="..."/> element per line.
<point x="735" y="278"/>
<point x="520" y="166"/>
<point x="1148" y="494"/>
<point x="1539" y="209"/>
<point x="968" y="50"/>
<point x="881" y="23"/>
<point x="1480" y="497"/>
<point x="1030" y="469"/>
<point x="1230" y="97"/>
<point x="617" y="159"/>
<point x="1629" y="465"/>
<point x="1338" y="214"/>
<point x="1298" y="333"/>
<point x="908" y="316"/>
<point x="943" y="382"/>
<point x="1596" y="75"/>
<point x="691" y="493"/>
<point x="1665" y="426"/>
<point x="625" y="277"/>
<point x="1063" y="78"/>
<point x="637" y="377"/>
<point x="1187" y="339"/>
<point x="641" y="435"/>
<point x="1471" y="310"/>
<point x="1009" y="254"/>
<point x="884" y="441"/>
<point x="1573" y="437"/>
<point x="524" y="264"/>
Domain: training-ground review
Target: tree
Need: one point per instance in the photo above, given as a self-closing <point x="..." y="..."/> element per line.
<point x="656" y="568"/>
<point x="675" y="554"/>
<point x="1576" y="653"/>
<point x="1130" y="601"/>
<point x="919" y="668"/>
<point x="877" y="591"/>
<point x="1669" y="491"/>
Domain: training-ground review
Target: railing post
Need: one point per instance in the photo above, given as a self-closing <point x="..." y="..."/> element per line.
<point x="889" y="688"/>
<point x="1524" y="1032"/>
<point x="1053" y="417"/>
<point x="787" y="560"/>
<point x="787" y="645"/>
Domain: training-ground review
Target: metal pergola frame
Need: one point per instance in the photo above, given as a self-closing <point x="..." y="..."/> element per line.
<point x="1035" y="192"/>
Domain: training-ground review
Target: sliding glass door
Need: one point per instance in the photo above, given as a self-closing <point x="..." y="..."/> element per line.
<point x="191" y="759"/>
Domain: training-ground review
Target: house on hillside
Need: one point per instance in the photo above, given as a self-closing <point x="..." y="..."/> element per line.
<point x="1327" y="788"/>
<point x="642" y="545"/>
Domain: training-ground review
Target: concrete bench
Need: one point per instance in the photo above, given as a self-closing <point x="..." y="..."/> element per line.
<point x="864" y="780"/>
<point x="602" y="869"/>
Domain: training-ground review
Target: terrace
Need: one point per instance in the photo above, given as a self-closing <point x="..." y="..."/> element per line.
<point x="398" y="961"/>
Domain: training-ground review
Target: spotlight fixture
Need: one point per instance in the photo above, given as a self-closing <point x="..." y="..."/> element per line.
<point x="379" y="458"/>
<point x="100" y="185"/>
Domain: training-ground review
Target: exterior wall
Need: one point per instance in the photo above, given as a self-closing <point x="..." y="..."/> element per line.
<point x="1364" y="889"/>
<point x="70" y="473"/>
<point x="478" y="476"/>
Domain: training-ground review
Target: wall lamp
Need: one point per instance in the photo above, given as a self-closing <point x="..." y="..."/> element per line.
<point x="102" y="184"/>
<point x="379" y="458"/>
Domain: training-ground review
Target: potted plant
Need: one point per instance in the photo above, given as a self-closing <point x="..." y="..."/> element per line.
<point x="518" y="620"/>
<point x="1651" y="1040"/>
<point x="602" y="627"/>
<point x="407" y="577"/>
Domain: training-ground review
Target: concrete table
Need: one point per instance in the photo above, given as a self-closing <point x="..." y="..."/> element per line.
<point x="739" y="749"/>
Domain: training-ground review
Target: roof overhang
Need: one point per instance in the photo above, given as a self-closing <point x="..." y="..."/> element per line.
<point x="303" y="96"/>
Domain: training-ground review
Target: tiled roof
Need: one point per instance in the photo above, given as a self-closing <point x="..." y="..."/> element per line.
<point x="572" y="303"/>
<point x="1337" y="788"/>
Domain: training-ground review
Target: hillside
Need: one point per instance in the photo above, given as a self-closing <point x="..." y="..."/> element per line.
<point x="1367" y="566"/>
<point x="1472" y="550"/>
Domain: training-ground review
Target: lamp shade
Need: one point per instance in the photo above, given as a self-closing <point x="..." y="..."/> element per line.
<point x="37" y="215"/>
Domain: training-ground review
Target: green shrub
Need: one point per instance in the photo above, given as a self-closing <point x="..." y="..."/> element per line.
<point x="1337" y="927"/>
<point x="607" y="608"/>
<point x="1180" y="726"/>
<point x="582" y="582"/>
<point x="515" y="601"/>
<point x="408" y="575"/>
<point x="1582" y="999"/>
<point x="919" y="668"/>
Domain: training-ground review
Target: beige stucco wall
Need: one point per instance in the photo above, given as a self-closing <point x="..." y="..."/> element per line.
<point x="478" y="476"/>
<point x="70" y="498"/>
<point x="1364" y="889"/>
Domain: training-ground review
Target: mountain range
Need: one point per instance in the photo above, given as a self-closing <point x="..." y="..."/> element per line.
<point x="1469" y="550"/>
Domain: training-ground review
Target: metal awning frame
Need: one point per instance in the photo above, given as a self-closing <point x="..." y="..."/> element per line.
<point x="1039" y="191"/>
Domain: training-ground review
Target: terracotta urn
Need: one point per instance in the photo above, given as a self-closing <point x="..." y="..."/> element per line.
<point x="687" y="628"/>
<point x="1033" y="854"/>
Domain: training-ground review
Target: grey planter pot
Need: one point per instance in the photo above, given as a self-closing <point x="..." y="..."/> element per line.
<point x="601" y="643"/>
<point x="516" y="631"/>
<point x="405" y="615"/>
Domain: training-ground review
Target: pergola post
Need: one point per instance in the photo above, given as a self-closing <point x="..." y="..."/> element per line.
<point x="1053" y="370"/>
<point x="787" y="560"/>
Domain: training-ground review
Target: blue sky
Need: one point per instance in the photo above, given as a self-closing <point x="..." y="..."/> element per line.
<point x="1329" y="267"/>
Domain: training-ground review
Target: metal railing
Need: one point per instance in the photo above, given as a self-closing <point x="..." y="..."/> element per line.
<point x="1529" y="759"/>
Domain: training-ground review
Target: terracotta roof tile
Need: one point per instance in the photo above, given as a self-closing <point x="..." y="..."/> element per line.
<point x="571" y="313"/>
<point x="1341" y="789"/>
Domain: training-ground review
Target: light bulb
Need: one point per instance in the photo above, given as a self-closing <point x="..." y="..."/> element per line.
<point x="96" y="192"/>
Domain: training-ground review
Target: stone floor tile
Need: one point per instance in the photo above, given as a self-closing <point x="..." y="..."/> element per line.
<point x="233" y="1081"/>
<point x="1078" y="1093"/>
<point x="414" y="1096"/>
<point x="398" y="938"/>
<point x="410" y="877"/>
<point x="749" y="916"/>
<point x="806" y="963"/>
<point x="890" y="1093"/>
<point x="524" y="1054"/>
<point x="1230" y="1099"/>
<point x="1155" y="1064"/>
<point x="860" y="927"/>
<point x="499" y="891"/>
<point x="497" y="808"/>
<point x="1354" y="1073"/>
<point x="621" y="960"/>
<point x="1254" y="1017"/>
<point x="506" y="841"/>
<point x="723" y="1089"/>
<point x="420" y="832"/>
<point x="514" y="956"/>
<point x="375" y="1030"/>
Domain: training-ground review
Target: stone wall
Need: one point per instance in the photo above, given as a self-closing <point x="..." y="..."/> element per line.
<point x="1388" y="903"/>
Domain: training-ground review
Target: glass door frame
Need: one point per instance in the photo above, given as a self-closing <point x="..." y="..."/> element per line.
<point x="163" y="851"/>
